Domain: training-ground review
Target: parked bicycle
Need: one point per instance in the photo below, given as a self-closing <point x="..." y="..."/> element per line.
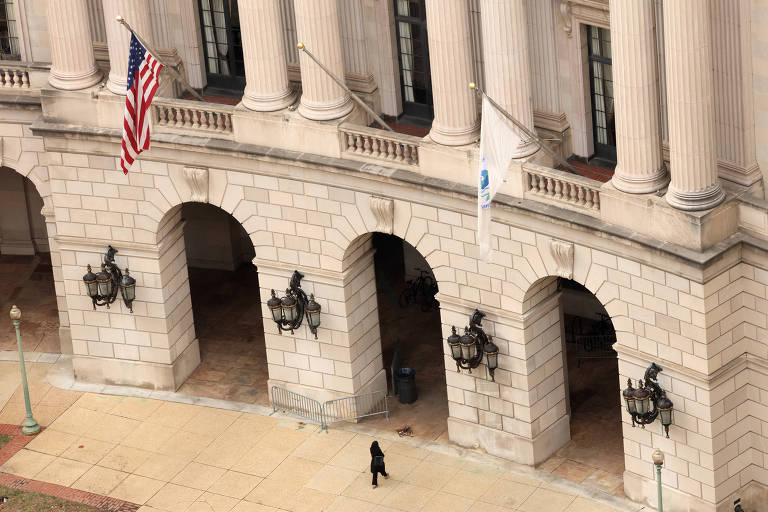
<point x="420" y="291"/>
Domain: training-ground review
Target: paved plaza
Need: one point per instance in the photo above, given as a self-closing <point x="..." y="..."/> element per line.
<point x="178" y="457"/>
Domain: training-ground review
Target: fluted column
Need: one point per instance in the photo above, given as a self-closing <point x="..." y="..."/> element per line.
<point x="639" y="163"/>
<point x="358" y="75"/>
<point x="266" y="71"/>
<point x="317" y="26"/>
<point x="135" y="12"/>
<point x="691" y="106"/>
<point x="508" y="64"/>
<point x="72" y="63"/>
<point x="450" y="58"/>
<point x="734" y="98"/>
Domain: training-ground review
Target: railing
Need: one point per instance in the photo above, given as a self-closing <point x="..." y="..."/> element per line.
<point x="332" y="411"/>
<point x="355" y="407"/>
<point x="210" y="118"/>
<point x="298" y="405"/>
<point x="359" y="141"/>
<point x="551" y="184"/>
<point x="594" y="346"/>
<point x="13" y="77"/>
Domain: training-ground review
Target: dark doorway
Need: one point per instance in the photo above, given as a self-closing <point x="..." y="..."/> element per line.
<point x="26" y="273"/>
<point x="601" y="92"/>
<point x="413" y="59"/>
<point x="410" y="327"/>
<point x="595" y="454"/>
<point x="226" y="305"/>
<point x="222" y="43"/>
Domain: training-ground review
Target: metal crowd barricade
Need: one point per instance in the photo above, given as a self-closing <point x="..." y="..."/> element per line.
<point x="298" y="405"/>
<point x="355" y="407"/>
<point x="595" y="346"/>
<point x="340" y="409"/>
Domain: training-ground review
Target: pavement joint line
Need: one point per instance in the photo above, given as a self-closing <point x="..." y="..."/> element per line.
<point x="62" y="376"/>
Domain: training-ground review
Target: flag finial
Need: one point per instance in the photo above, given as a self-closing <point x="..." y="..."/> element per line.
<point x="119" y="19"/>
<point x="472" y="85"/>
<point x="300" y="46"/>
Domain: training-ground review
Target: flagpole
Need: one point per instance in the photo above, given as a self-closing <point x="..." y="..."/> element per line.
<point x="354" y="96"/>
<point x="176" y="75"/>
<point x="543" y="145"/>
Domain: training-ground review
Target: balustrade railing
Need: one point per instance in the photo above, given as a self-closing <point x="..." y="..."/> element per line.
<point x="377" y="144"/>
<point x="550" y="184"/>
<point x="212" y="118"/>
<point x="13" y="77"/>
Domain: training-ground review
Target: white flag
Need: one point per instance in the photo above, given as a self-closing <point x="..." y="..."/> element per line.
<point x="498" y="145"/>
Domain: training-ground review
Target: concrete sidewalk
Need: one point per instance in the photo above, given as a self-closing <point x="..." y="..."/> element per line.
<point x="177" y="457"/>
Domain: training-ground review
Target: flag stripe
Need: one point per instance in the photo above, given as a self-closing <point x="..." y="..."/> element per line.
<point x="143" y="81"/>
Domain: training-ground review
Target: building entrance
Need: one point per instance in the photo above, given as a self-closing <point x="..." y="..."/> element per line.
<point x="26" y="274"/>
<point x="409" y="322"/>
<point x="601" y="93"/>
<point x="226" y="305"/>
<point x="595" y="454"/>
<point x="413" y="58"/>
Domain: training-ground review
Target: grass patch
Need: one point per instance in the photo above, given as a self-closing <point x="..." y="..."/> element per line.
<point x="4" y="440"/>
<point x="22" y="501"/>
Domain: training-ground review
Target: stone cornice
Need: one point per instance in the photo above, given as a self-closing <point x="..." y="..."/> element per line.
<point x="549" y="219"/>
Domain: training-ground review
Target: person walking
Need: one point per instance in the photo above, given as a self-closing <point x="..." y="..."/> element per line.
<point x="377" y="463"/>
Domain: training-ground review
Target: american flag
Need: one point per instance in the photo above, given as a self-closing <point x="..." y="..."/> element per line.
<point x="143" y="80"/>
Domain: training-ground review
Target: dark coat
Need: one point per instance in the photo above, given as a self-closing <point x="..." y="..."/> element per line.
<point x="376" y="452"/>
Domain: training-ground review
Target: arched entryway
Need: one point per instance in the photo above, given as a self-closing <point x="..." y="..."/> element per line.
<point x="594" y="455"/>
<point x="409" y="322"/>
<point x="26" y="272"/>
<point x="226" y="305"/>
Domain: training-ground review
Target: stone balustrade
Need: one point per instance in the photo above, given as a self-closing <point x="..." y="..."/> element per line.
<point x="212" y="118"/>
<point x="14" y="77"/>
<point x="551" y="185"/>
<point x="372" y="143"/>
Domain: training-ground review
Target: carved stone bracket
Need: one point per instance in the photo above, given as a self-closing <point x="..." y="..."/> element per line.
<point x="566" y="15"/>
<point x="562" y="252"/>
<point x="197" y="178"/>
<point x="384" y="211"/>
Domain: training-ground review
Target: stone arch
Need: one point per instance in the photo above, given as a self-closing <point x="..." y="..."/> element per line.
<point x="550" y="353"/>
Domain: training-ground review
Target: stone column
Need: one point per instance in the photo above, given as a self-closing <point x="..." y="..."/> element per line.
<point x="691" y="106"/>
<point x="450" y="57"/>
<point x="507" y="63"/>
<point x="640" y="167"/>
<point x="73" y="65"/>
<point x="266" y="71"/>
<point x="135" y="12"/>
<point x="358" y="76"/>
<point x="318" y="27"/>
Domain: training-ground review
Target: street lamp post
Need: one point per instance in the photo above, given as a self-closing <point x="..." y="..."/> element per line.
<point x="658" y="460"/>
<point x="30" y="426"/>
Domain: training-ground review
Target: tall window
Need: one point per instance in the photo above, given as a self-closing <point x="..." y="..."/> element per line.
<point x="223" y="46"/>
<point x="9" y="39"/>
<point x="601" y="88"/>
<point x="413" y="57"/>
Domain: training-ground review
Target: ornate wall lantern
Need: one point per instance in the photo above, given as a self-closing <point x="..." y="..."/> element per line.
<point x="648" y="401"/>
<point x="289" y="311"/>
<point x="102" y="287"/>
<point x="468" y="350"/>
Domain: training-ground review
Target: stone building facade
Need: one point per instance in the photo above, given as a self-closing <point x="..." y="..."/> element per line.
<point x="674" y="247"/>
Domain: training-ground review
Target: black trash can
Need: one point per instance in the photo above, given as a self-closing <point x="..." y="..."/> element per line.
<point x="406" y="385"/>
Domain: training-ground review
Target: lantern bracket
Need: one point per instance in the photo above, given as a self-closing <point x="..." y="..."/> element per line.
<point x="651" y="391"/>
<point x="115" y="276"/>
<point x="480" y="344"/>
<point x="294" y="290"/>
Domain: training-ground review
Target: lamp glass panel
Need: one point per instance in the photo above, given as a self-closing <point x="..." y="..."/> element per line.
<point x="472" y="351"/>
<point x="643" y="405"/>
<point x="492" y="361"/>
<point x="465" y="352"/>
<point x="93" y="288"/>
<point x="105" y="288"/>
<point x="289" y="312"/>
<point x="456" y="351"/>
<point x="313" y="318"/>
<point x="665" y="416"/>
<point x="129" y="292"/>
<point x="631" y="405"/>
